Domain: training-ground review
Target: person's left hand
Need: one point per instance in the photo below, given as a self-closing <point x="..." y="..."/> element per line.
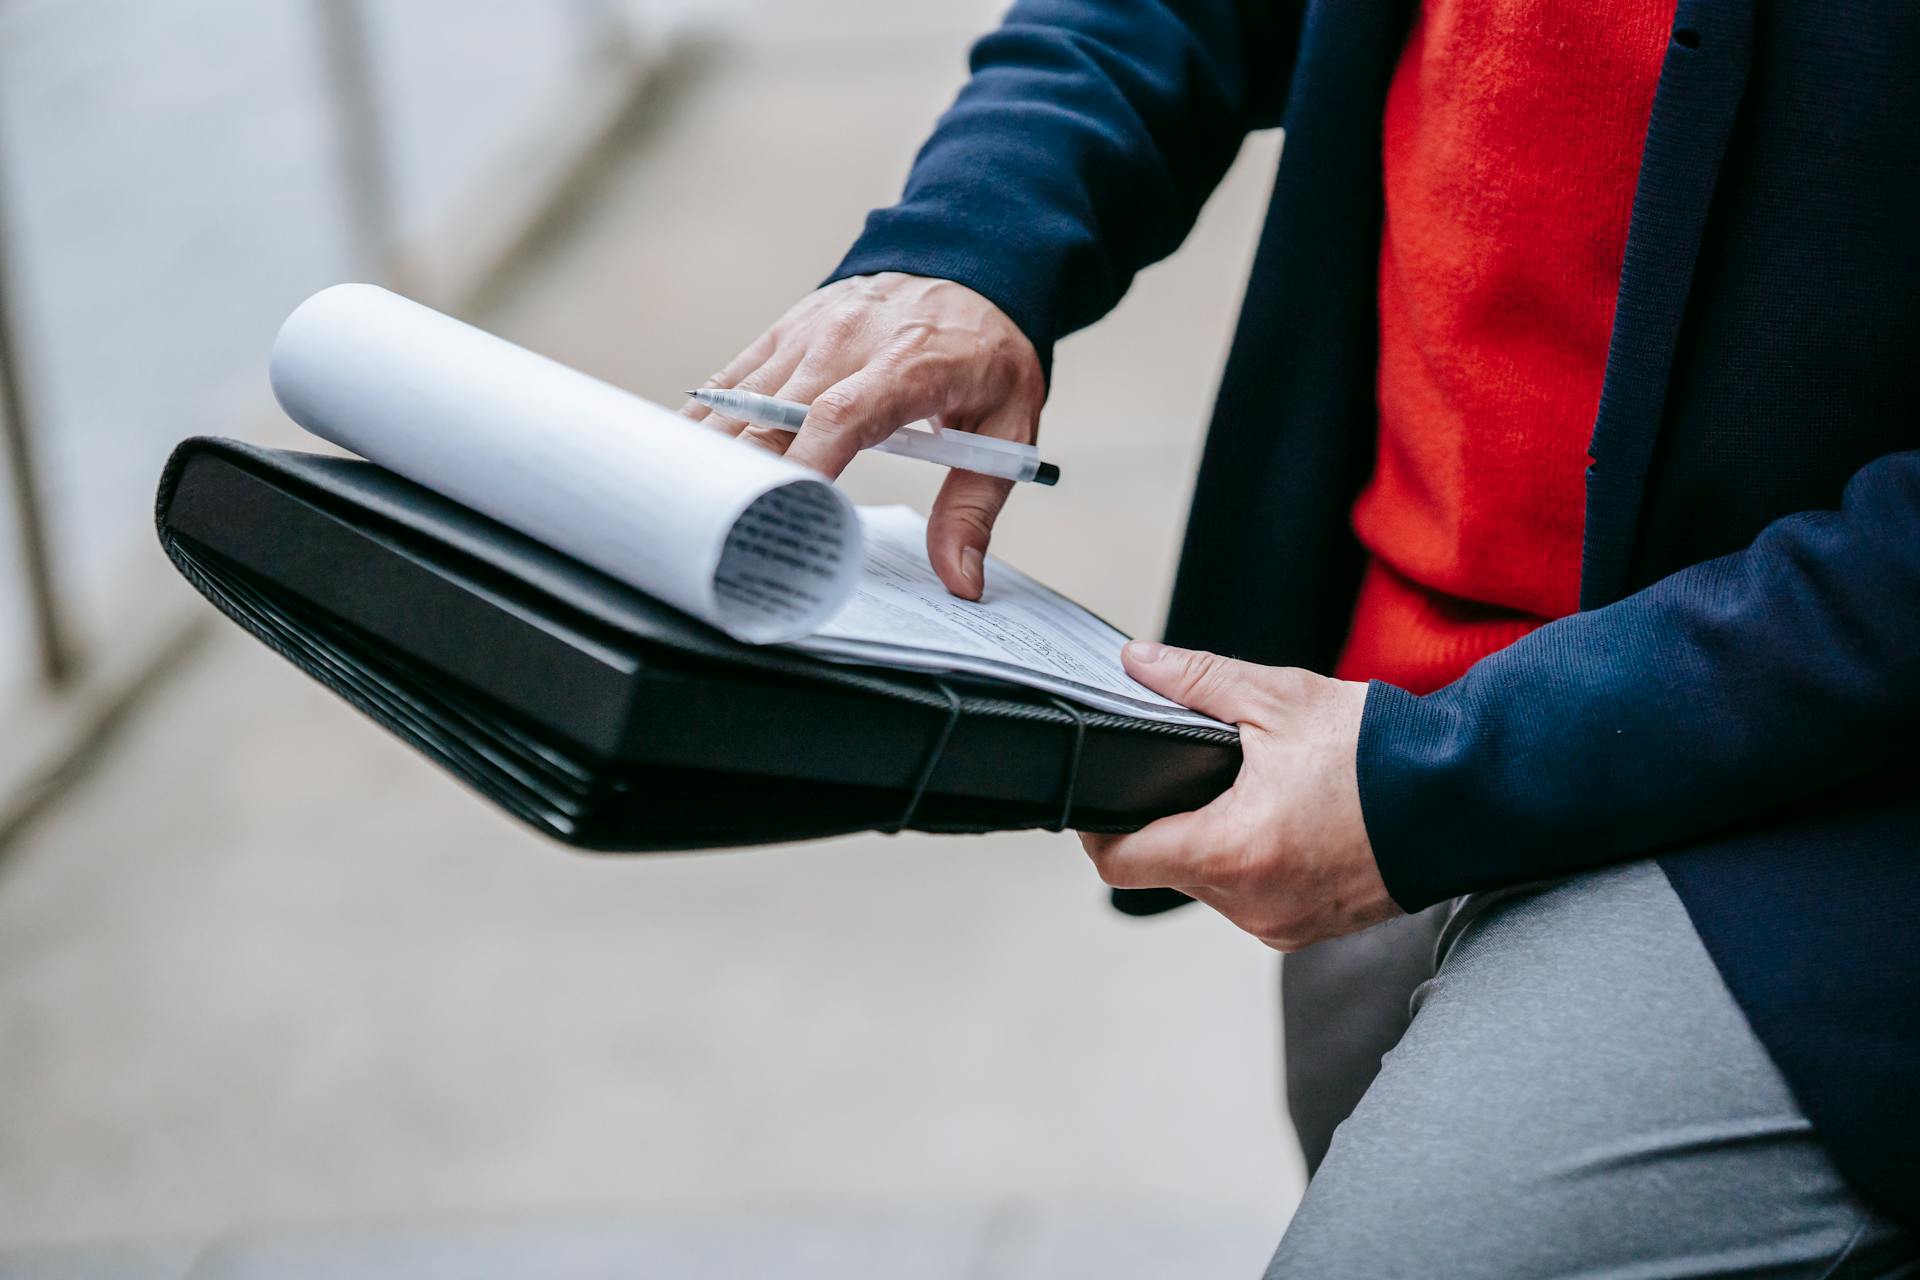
<point x="1284" y="853"/>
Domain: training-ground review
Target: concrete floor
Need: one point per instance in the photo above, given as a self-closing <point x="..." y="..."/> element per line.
<point x="276" y="996"/>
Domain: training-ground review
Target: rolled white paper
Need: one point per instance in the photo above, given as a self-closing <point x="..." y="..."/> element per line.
<point x="743" y="539"/>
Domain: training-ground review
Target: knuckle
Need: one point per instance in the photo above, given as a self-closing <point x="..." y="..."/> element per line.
<point x="1008" y="349"/>
<point x="772" y="441"/>
<point x="1219" y="867"/>
<point x="1273" y="932"/>
<point x="760" y="380"/>
<point x="1103" y="866"/>
<point x="973" y="518"/>
<point x="812" y="375"/>
<point x="972" y="507"/>
<point x="914" y="334"/>
<point x="833" y="410"/>
<point x="1284" y="930"/>
<point x="842" y="326"/>
<point x="901" y="358"/>
<point x="925" y="371"/>
<point x="1195" y="664"/>
<point x="1204" y="674"/>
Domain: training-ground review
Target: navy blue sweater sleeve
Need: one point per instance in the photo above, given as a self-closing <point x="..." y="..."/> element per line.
<point x="1726" y="689"/>
<point x="1081" y="150"/>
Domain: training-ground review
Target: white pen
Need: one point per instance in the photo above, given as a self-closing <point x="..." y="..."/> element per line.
<point x="963" y="450"/>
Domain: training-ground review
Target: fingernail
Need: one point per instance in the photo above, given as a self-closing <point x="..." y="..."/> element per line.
<point x="1144" y="650"/>
<point x="973" y="567"/>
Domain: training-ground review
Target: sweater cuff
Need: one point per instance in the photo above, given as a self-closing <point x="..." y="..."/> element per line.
<point x="943" y="255"/>
<point x="1417" y="837"/>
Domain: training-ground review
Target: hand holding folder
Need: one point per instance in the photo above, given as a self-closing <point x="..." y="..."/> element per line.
<point x="634" y="633"/>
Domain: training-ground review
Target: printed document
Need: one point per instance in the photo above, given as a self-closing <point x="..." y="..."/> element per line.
<point x="901" y="616"/>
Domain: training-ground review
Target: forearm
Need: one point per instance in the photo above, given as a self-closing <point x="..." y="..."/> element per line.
<point x="1711" y="696"/>
<point x="1081" y="150"/>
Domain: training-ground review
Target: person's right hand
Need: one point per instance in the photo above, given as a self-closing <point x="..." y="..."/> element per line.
<point x="871" y="354"/>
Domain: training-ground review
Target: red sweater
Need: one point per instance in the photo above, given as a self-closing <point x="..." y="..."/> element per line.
<point x="1512" y="143"/>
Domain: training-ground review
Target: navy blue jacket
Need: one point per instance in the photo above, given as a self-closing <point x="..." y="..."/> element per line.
<point x="1740" y="693"/>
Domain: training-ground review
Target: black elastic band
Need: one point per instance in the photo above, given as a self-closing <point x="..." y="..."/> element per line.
<point x="1073" y="764"/>
<point x="932" y="761"/>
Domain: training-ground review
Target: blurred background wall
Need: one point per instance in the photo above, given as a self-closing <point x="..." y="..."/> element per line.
<point x="174" y="175"/>
<point x="272" y="993"/>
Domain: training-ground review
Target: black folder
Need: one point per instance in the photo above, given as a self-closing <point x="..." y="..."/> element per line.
<point x="610" y="721"/>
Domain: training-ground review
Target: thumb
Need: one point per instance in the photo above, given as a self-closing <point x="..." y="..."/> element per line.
<point x="1208" y="683"/>
<point x="961" y="522"/>
<point x="958" y="530"/>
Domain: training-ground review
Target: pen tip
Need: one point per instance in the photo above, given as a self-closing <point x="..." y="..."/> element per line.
<point x="692" y="395"/>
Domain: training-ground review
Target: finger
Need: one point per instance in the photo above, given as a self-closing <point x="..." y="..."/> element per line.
<point x="961" y="524"/>
<point x="819" y="369"/>
<point x="772" y="439"/>
<point x="841" y="354"/>
<point x="1208" y="683"/>
<point x="750" y="358"/>
<point x="1246" y="916"/>
<point x="761" y="381"/>
<point x="858" y="411"/>
<point x="1166" y="853"/>
<point x="959" y="528"/>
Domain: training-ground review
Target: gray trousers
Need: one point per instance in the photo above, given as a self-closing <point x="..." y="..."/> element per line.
<point x="1575" y="1094"/>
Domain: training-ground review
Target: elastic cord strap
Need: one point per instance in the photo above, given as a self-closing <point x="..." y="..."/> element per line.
<point x="932" y="761"/>
<point x="1073" y="764"/>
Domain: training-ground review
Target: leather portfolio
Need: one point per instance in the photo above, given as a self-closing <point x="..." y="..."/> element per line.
<point x="610" y="721"/>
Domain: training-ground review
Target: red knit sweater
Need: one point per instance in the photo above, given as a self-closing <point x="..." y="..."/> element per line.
<point x="1512" y="143"/>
